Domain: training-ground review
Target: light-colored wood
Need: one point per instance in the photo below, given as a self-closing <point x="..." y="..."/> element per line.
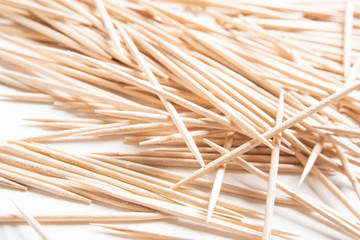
<point x="340" y="130"/>
<point x="277" y="129"/>
<point x="169" y="107"/>
<point x="172" y="175"/>
<point x="176" y="210"/>
<point x="28" y="97"/>
<point x="172" y="97"/>
<point x="12" y="184"/>
<point x="270" y="198"/>
<point x="88" y="217"/>
<point x="348" y="26"/>
<point x="311" y="161"/>
<point x="346" y="165"/>
<point x="332" y="187"/>
<point x="353" y="71"/>
<point x="43" y="10"/>
<point x="215" y="191"/>
<point x="187" y="74"/>
<point x="71" y="163"/>
<point x="35" y="180"/>
<point x="137" y="233"/>
<point x="178" y="76"/>
<point x="111" y="31"/>
<point x="31" y="221"/>
<point x="321" y="209"/>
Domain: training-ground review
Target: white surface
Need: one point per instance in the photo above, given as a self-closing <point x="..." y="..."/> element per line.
<point x="12" y="127"/>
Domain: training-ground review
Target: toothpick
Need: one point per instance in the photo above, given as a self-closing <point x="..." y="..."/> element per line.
<point x="270" y="198"/>
<point x="132" y="114"/>
<point x="157" y="186"/>
<point x="90" y="170"/>
<point x="8" y="183"/>
<point x="31" y="221"/>
<point x="67" y="171"/>
<point x="172" y="97"/>
<point x="88" y="217"/>
<point x="339" y="130"/>
<point x="263" y="33"/>
<point x="67" y="133"/>
<point x="306" y="201"/>
<point x="137" y="233"/>
<point x="28" y="97"/>
<point x="176" y="210"/>
<point x="182" y="17"/>
<point x="100" y="198"/>
<point x="353" y="72"/>
<point x="215" y="191"/>
<point x="37" y="181"/>
<point x="348" y="26"/>
<point x="348" y="171"/>
<point x="331" y="186"/>
<point x="344" y="143"/>
<point x="58" y="37"/>
<point x="126" y="129"/>
<point x="177" y="176"/>
<point x="184" y="75"/>
<point x="78" y="92"/>
<point x="43" y="10"/>
<point x="66" y="120"/>
<point x="66" y="125"/>
<point x="169" y="107"/>
<point x="194" y="197"/>
<point x="81" y="9"/>
<point x="277" y="129"/>
<point x="173" y="137"/>
<point x="311" y="161"/>
<point x="13" y="83"/>
<point x="111" y="31"/>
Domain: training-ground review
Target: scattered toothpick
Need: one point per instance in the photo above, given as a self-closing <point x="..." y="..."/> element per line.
<point x="137" y="233"/>
<point x="32" y="222"/>
<point x="270" y="199"/>
<point x="311" y="161"/>
<point x="215" y="191"/>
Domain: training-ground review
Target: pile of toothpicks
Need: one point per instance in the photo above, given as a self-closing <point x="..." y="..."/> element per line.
<point x="266" y="88"/>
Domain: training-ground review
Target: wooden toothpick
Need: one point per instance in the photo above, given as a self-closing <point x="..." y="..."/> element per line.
<point x="270" y="199"/>
<point x="185" y="78"/>
<point x="137" y="233"/>
<point x="215" y="191"/>
<point x="277" y="129"/>
<point x="311" y="161"/>
<point x="169" y="107"/>
<point x="88" y="217"/>
<point x="31" y="221"/>
<point x="346" y="165"/>
<point x="348" y="27"/>
<point x="306" y="201"/>
<point x="111" y="31"/>
<point x="12" y="184"/>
